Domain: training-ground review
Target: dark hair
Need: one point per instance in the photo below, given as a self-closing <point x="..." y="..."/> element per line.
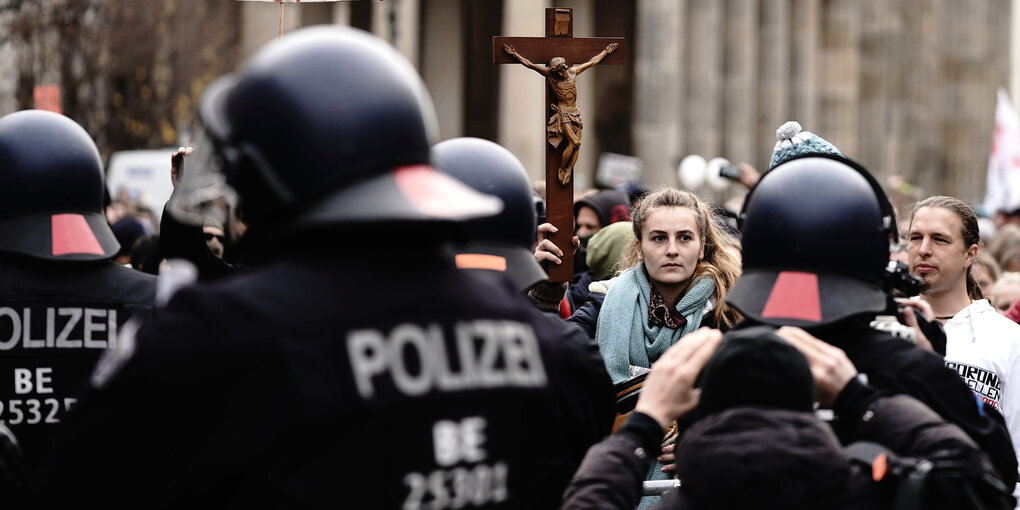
<point x="721" y="265"/>
<point x="146" y="254"/>
<point x="969" y="230"/>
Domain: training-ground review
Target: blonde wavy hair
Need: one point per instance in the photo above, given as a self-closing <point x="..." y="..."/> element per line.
<point x="719" y="263"/>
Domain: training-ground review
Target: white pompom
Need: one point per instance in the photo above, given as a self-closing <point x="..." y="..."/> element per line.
<point x="788" y="130"/>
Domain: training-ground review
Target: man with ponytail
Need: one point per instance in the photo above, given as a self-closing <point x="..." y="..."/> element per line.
<point x="981" y="345"/>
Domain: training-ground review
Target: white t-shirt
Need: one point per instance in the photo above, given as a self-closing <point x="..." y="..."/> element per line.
<point x="984" y="348"/>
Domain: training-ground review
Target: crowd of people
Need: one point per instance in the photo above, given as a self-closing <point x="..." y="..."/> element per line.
<point x="369" y="323"/>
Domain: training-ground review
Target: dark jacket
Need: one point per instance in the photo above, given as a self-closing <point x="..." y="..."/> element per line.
<point x="371" y="381"/>
<point x="896" y="366"/>
<point x="587" y="315"/>
<point x="178" y="240"/>
<point x="767" y="458"/>
<point x="578" y="291"/>
<point x="56" y="319"/>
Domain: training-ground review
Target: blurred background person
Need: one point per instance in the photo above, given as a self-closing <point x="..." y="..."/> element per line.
<point x="985" y="271"/>
<point x="1006" y="291"/>
<point x="1005" y="247"/>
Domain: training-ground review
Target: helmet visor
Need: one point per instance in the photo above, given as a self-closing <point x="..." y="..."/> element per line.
<point x="202" y="194"/>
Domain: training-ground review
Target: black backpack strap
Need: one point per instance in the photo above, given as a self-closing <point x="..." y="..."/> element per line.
<point x="911" y="476"/>
<point x="908" y="473"/>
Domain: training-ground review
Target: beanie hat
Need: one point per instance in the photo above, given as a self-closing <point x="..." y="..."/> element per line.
<point x="754" y="367"/>
<point x="610" y="205"/>
<point x="128" y="230"/>
<point x="606" y="247"/>
<point x="634" y="190"/>
<point x="761" y="459"/>
<point x="793" y="141"/>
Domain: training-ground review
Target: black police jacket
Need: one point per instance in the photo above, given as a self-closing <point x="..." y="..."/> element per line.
<point x="897" y="366"/>
<point x="363" y="383"/>
<point x="752" y="457"/>
<point x="55" y="321"/>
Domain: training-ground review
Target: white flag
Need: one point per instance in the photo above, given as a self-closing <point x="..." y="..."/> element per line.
<point x="1002" y="188"/>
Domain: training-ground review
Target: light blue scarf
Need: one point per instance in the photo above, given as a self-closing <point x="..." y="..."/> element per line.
<point x="623" y="333"/>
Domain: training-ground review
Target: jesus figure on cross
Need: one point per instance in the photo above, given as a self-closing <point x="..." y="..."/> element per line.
<point x="565" y="123"/>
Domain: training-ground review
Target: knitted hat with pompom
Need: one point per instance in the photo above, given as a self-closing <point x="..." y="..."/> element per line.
<point x="793" y="141"/>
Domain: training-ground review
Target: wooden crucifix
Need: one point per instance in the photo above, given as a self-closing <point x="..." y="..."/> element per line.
<point x="560" y="49"/>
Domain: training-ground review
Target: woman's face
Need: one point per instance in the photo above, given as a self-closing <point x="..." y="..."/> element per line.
<point x="1004" y="297"/>
<point x="671" y="246"/>
<point x="982" y="278"/>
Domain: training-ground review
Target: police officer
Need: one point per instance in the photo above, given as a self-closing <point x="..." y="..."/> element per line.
<point x="503" y="242"/>
<point x="355" y="365"/>
<point x="501" y="246"/>
<point x="815" y="234"/>
<point x="63" y="299"/>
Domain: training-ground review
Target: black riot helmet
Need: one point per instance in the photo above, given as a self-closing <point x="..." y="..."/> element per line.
<point x="501" y="242"/>
<point x="815" y="236"/>
<point x="51" y="190"/>
<point x="327" y="125"/>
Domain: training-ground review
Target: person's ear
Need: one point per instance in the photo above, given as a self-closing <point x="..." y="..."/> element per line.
<point x="971" y="255"/>
<point x="640" y="256"/>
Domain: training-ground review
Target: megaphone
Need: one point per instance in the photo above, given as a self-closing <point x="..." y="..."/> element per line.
<point x="719" y="172"/>
<point x="692" y="171"/>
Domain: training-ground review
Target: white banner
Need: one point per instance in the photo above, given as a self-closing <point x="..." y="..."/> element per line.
<point x="1002" y="188"/>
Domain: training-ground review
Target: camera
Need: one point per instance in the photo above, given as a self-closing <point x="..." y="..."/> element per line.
<point x="899" y="280"/>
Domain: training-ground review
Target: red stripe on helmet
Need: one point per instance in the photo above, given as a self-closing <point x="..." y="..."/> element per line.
<point x="480" y="261"/>
<point x="72" y="234"/>
<point x="436" y="194"/>
<point x="794" y="296"/>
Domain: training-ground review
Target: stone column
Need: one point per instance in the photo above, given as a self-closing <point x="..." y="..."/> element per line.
<point x="522" y="108"/>
<point x="741" y="102"/>
<point x="774" y="73"/>
<point x="442" y="64"/>
<point x="260" y="23"/>
<point x="342" y="13"/>
<point x="922" y="137"/>
<point x="804" y="46"/>
<point x="1014" y="51"/>
<point x="397" y="22"/>
<point x="659" y="89"/>
<point x="840" y="76"/>
<point x="703" y="113"/>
